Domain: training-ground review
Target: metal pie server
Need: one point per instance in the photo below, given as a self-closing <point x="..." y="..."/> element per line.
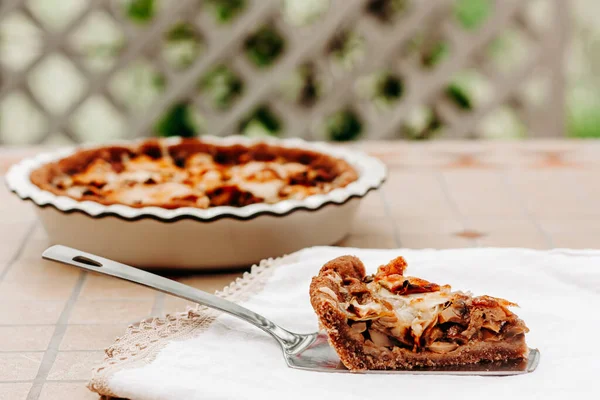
<point x="302" y="351"/>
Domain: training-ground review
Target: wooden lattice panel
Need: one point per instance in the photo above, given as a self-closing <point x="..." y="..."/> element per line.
<point x="362" y="68"/>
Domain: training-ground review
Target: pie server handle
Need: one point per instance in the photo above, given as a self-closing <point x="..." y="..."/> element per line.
<point x="97" y="264"/>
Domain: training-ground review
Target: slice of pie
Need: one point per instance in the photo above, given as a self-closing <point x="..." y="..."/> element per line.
<point x="392" y="321"/>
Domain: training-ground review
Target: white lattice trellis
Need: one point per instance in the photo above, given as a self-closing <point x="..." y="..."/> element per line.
<point x="422" y="96"/>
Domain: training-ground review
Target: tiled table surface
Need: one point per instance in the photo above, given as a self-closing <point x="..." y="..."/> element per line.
<point x="55" y="321"/>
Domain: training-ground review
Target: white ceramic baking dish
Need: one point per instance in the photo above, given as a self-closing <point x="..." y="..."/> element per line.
<point x="191" y="238"/>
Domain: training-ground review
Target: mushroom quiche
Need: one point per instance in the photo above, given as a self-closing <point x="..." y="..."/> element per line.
<point x="193" y="173"/>
<point x="392" y="321"/>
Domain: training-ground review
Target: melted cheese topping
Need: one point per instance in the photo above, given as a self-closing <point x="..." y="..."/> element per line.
<point x="160" y="193"/>
<point x="415" y="311"/>
<point x="146" y="181"/>
<point x="98" y="172"/>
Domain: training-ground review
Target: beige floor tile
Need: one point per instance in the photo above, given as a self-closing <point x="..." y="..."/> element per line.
<point x="175" y="305"/>
<point x="100" y="287"/>
<point x="369" y="241"/>
<point x="412" y="194"/>
<point x="91" y="337"/>
<point x="575" y="240"/>
<point x="16" y="231"/>
<point x="74" y="365"/>
<point x="12" y="156"/>
<point x="514" y="239"/>
<point x="5" y="259"/>
<point x="591" y="184"/>
<point x="66" y="391"/>
<point x="19" y="366"/>
<point x="435" y="226"/>
<point x="373" y="147"/>
<point x="563" y="205"/>
<point x="39" y="234"/>
<point x="8" y="198"/>
<point x="481" y="193"/>
<point x="30" y="312"/>
<point x="587" y="154"/>
<point x="25" y="338"/>
<point x="54" y="289"/>
<point x="466" y="159"/>
<point x="586" y="226"/>
<point x="373" y="226"/>
<point x="554" y="193"/>
<point x="502" y="225"/>
<point x="14" y="211"/>
<point x="372" y="206"/>
<point x="8" y="249"/>
<point x="14" y="391"/>
<point x="38" y="270"/>
<point x="92" y="311"/>
<point x="502" y="155"/>
<point x="427" y="241"/>
<point x="404" y="155"/>
<point x="34" y="248"/>
<point x="11" y="239"/>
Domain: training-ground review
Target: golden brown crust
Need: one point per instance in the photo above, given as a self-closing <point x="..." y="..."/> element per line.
<point x="344" y="278"/>
<point x="348" y="344"/>
<point x="322" y="173"/>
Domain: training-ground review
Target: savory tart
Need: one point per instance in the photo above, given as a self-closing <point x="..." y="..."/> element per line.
<point x="392" y="321"/>
<point x="193" y="173"/>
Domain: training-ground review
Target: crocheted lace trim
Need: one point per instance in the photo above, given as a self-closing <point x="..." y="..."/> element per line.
<point x="142" y="342"/>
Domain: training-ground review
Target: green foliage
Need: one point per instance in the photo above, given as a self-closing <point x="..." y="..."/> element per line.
<point x="433" y="56"/>
<point x="584" y="126"/>
<point x="181" y="31"/>
<point x="343" y="126"/>
<point x="264" y="46"/>
<point x="177" y="122"/>
<point x="159" y="82"/>
<point x="182" y="45"/>
<point x="140" y="10"/>
<point x="459" y="96"/>
<point x="386" y="10"/>
<point x="226" y="10"/>
<point x="389" y="87"/>
<point x="583" y="117"/>
<point x="472" y="13"/>
<point x="222" y="86"/>
<point x="422" y="125"/>
<point x="261" y="122"/>
<point x="346" y="48"/>
<point x="310" y="89"/>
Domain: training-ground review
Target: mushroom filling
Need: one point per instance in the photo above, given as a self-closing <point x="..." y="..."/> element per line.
<point x="390" y="310"/>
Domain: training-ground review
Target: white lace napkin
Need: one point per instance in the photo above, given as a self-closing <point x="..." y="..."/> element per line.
<point x="205" y="355"/>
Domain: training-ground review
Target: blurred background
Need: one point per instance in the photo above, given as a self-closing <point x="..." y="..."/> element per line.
<point x="340" y="70"/>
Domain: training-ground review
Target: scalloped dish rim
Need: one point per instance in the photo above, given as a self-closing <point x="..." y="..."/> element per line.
<point x="371" y="174"/>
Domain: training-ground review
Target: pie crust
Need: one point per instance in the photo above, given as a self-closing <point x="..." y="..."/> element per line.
<point x="193" y="173"/>
<point x="392" y="321"/>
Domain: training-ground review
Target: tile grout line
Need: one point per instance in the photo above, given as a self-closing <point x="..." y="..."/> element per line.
<point x="388" y="213"/>
<point x="19" y="251"/>
<point x="463" y="218"/>
<point x="519" y="196"/>
<point x="53" y="347"/>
